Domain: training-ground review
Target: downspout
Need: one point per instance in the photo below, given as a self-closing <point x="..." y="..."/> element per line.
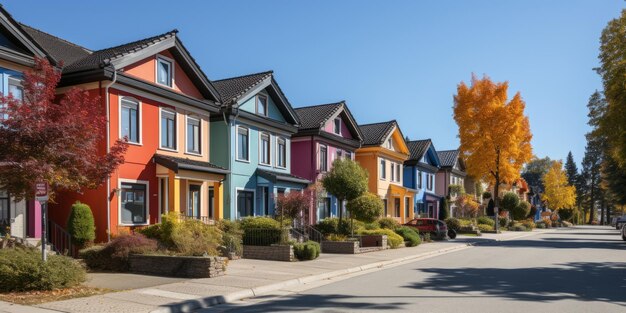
<point x="230" y="159"/>
<point x="108" y="109"/>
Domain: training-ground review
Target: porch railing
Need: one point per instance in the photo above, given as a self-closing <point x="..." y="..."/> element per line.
<point x="305" y="233"/>
<point x="61" y="240"/>
<point x="204" y="219"/>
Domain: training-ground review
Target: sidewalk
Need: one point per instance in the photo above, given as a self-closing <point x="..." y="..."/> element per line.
<point x="247" y="278"/>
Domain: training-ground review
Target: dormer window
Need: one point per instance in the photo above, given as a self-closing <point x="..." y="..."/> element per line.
<point x="164" y="71"/>
<point x="261" y="105"/>
<point x="337" y="126"/>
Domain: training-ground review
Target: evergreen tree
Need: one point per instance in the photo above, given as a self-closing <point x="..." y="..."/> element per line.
<point x="592" y="163"/>
<point x="571" y="170"/>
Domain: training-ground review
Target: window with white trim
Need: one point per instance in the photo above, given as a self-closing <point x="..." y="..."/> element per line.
<point x="399" y="172"/>
<point x="383" y="169"/>
<point x="389" y="144"/>
<point x="337" y="126"/>
<point x="393" y="172"/>
<point x="419" y="179"/>
<point x="193" y="135"/>
<point x="261" y="105"/>
<point x="130" y="120"/>
<point x="323" y="159"/>
<point x="281" y="153"/>
<point x="164" y="72"/>
<point x="168" y="129"/>
<point x="15" y="90"/>
<point x="264" y="148"/>
<point x="133" y="203"/>
<point x="243" y="144"/>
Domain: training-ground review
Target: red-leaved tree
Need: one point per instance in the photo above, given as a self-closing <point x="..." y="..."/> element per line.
<point x="56" y="139"/>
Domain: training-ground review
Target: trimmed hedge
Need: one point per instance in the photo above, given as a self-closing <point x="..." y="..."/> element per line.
<point x="22" y="269"/>
<point x="259" y="222"/>
<point x="409" y="235"/>
<point x="485" y="227"/>
<point x="453" y="223"/>
<point x="484" y="220"/>
<point x="81" y="225"/>
<point x="308" y="250"/>
<point x="388" y="223"/>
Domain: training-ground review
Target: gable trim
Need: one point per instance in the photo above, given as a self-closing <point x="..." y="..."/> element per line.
<point x="11" y="25"/>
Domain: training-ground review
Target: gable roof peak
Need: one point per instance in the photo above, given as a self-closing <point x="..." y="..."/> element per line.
<point x="232" y="88"/>
<point x="33" y="29"/>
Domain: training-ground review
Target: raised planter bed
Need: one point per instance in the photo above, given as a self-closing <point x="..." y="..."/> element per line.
<point x="178" y="266"/>
<point x="272" y="253"/>
<point x="342" y="247"/>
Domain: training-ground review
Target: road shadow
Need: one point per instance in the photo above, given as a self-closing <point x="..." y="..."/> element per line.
<point x="583" y="281"/>
<point x="296" y="302"/>
<point x="612" y="243"/>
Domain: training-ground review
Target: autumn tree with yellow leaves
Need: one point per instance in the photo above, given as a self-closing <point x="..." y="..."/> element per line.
<point x="558" y="192"/>
<point x="493" y="130"/>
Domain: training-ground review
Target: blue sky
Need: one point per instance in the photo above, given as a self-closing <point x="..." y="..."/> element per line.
<point x="388" y="59"/>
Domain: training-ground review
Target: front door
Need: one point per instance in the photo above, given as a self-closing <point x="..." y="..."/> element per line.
<point x="211" y="203"/>
<point x="194" y="201"/>
<point x="396" y="204"/>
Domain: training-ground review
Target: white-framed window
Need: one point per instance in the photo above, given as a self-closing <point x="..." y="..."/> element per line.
<point x="193" y="135"/>
<point x="264" y="149"/>
<point x="281" y="152"/>
<point x="15" y="88"/>
<point x="337" y="126"/>
<point x="133" y="202"/>
<point x="130" y="125"/>
<point x="389" y="144"/>
<point x="261" y="105"/>
<point x="323" y="159"/>
<point x="245" y="203"/>
<point x="164" y="71"/>
<point x="399" y="173"/>
<point x="393" y="172"/>
<point x="168" y="129"/>
<point x="243" y="144"/>
<point x="419" y="179"/>
<point x="383" y="169"/>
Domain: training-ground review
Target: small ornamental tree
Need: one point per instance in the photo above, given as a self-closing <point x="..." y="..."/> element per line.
<point x="559" y="194"/>
<point x="467" y="205"/>
<point x="510" y="201"/>
<point x="293" y="205"/>
<point x="521" y="211"/>
<point x="58" y="140"/>
<point x="346" y="181"/>
<point x="81" y="225"/>
<point x="366" y="208"/>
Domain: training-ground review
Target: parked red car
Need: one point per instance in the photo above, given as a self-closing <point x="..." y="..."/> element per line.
<point x="436" y="228"/>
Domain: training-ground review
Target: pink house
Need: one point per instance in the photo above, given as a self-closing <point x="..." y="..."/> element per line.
<point x="327" y="132"/>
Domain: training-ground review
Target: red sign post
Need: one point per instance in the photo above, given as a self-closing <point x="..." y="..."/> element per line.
<point x="41" y="194"/>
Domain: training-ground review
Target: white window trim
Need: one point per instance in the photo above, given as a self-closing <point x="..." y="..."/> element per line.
<point x="163" y="194"/>
<point x="319" y="158"/>
<point x="237" y="189"/>
<point x="337" y="119"/>
<point x="196" y="183"/>
<point x="409" y="209"/>
<point x="187" y="118"/>
<point x="119" y="201"/>
<point x="161" y="110"/>
<point x="269" y="149"/>
<point x="277" y="152"/>
<point x="267" y="105"/>
<point x="237" y="127"/>
<point x="139" y="112"/>
<point x="156" y="70"/>
<point x="383" y="174"/>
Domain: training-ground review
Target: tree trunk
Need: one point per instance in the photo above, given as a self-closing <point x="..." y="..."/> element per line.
<point x="340" y="209"/>
<point x="602" y="207"/>
<point x="593" y="203"/>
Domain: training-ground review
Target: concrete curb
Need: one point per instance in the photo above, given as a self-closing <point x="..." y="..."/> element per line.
<point x="202" y="303"/>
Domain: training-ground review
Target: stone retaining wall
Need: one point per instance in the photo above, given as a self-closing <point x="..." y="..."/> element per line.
<point x="343" y="247"/>
<point x="272" y="253"/>
<point x="374" y="241"/>
<point x="178" y="266"/>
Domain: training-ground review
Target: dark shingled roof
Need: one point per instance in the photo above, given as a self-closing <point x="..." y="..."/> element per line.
<point x="313" y="117"/>
<point x="277" y="176"/>
<point x="176" y="163"/>
<point x="375" y="134"/>
<point x="59" y="49"/>
<point x="418" y="148"/>
<point x="449" y="157"/>
<point x="235" y="87"/>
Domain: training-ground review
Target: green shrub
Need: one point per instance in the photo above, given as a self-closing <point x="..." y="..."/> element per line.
<point x="529" y="224"/>
<point x="327" y="226"/>
<point x="388" y="223"/>
<point x="518" y="227"/>
<point x="485" y="227"/>
<point x="336" y="237"/>
<point x="503" y="222"/>
<point x="509" y="202"/>
<point x="192" y="237"/>
<point x="372" y="225"/>
<point x="521" y="211"/>
<point x="426" y="237"/>
<point x="393" y="240"/>
<point x="366" y="208"/>
<point x="308" y="250"/>
<point x="410" y="236"/>
<point x="565" y="214"/>
<point x="453" y="223"/>
<point x="153" y="231"/>
<point x="486" y="195"/>
<point x="81" y="225"/>
<point x="541" y="224"/>
<point x="444" y="209"/>
<point x="114" y="255"/>
<point x="232" y="236"/>
<point x="484" y="220"/>
<point x="259" y="222"/>
<point x="464" y="222"/>
<point x="22" y="269"/>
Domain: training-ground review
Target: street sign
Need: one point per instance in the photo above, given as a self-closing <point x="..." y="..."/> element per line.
<point x="41" y="192"/>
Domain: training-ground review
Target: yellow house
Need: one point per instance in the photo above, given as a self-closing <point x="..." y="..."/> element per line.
<point x="382" y="154"/>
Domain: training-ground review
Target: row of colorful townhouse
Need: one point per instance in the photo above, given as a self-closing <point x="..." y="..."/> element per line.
<point x="221" y="149"/>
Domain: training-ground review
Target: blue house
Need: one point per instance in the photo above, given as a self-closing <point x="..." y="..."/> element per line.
<point x="420" y="172"/>
<point x="252" y="138"/>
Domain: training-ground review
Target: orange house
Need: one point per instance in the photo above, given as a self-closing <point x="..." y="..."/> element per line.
<point x="382" y="154"/>
<point x="156" y="97"/>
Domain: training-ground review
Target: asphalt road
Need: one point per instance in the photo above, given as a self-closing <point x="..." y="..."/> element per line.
<point x="564" y="270"/>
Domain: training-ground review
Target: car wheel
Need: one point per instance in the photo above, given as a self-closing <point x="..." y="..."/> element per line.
<point x="451" y="233"/>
